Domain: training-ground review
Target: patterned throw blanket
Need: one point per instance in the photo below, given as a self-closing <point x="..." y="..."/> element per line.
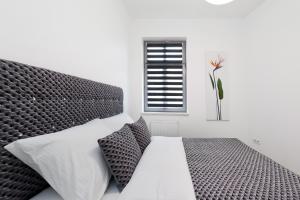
<point x="227" y="169"/>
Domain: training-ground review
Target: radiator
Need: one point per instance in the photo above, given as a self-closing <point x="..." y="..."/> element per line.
<point x="164" y="128"/>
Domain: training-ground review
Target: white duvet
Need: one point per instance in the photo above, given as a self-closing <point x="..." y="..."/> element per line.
<point x="162" y="173"/>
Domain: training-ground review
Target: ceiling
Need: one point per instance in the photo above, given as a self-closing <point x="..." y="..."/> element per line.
<point x="189" y="9"/>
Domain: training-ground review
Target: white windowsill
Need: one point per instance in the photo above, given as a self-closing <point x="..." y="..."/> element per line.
<point x="167" y="113"/>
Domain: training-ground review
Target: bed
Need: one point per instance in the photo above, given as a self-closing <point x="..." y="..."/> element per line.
<point x="36" y="101"/>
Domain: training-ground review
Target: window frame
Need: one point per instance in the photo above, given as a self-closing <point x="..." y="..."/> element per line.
<point x="184" y="82"/>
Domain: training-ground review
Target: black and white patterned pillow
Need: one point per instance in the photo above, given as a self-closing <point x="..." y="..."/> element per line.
<point x="122" y="154"/>
<point x="141" y="133"/>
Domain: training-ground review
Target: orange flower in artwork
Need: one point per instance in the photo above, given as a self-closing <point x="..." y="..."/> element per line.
<point x="217" y="64"/>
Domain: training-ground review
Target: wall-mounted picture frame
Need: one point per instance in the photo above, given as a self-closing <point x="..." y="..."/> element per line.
<point x="217" y="86"/>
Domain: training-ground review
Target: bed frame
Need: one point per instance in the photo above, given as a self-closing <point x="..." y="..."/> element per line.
<point x="36" y="101"/>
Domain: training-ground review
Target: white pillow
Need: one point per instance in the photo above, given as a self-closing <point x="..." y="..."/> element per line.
<point x="69" y="160"/>
<point x="117" y="122"/>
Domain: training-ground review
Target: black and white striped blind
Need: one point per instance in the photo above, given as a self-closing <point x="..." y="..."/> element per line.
<point x="165" y="79"/>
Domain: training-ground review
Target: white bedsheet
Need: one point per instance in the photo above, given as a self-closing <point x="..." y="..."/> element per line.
<point x="112" y="193"/>
<point x="162" y="173"/>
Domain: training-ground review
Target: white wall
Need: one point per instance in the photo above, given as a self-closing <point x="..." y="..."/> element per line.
<point x="90" y="39"/>
<point x="84" y="38"/>
<point x="272" y="48"/>
<point x="201" y="36"/>
<point x="263" y="53"/>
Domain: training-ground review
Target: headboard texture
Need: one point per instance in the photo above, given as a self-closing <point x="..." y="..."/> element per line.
<point x="36" y="101"/>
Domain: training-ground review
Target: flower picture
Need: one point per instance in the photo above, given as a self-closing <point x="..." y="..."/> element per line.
<point x="217" y="103"/>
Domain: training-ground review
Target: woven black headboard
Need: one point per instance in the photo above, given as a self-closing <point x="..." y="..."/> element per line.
<point x="36" y="101"/>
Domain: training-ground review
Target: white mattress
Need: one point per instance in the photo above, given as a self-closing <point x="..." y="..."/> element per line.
<point x="112" y="193"/>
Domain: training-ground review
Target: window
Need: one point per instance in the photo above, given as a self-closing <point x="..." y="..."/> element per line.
<point x="165" y="76"/>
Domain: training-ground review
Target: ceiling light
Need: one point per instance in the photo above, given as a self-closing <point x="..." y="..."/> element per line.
<point x="219" y="2"/>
